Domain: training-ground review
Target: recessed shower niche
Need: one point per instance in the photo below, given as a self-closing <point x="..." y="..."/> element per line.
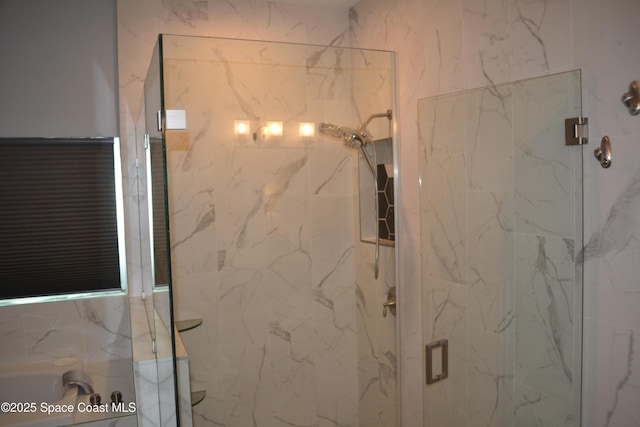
<point x="377" y="205"/>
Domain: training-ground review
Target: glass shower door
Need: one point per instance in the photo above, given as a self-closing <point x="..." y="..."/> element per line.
<point x="265" y="236"/>
<point x="501" y="212"/>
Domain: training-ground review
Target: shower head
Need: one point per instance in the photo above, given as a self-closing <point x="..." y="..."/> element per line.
<point x="350" y="138"/>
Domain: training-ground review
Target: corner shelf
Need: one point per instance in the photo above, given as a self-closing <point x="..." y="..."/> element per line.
<point x="197" y="397"/>
<point x="185" y="325"/>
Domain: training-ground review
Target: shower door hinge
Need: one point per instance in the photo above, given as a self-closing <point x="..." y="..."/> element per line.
<point x="576" y="131"/>
<point x="173" y="120"/>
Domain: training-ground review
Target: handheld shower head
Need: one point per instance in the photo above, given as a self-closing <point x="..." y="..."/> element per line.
<point x="350" y="138"/>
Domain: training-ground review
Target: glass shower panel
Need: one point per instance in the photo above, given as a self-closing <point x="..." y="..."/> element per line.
<point x="265" y="245"/>
<point x="501" y="216"/>
<point x="157" y="280"/>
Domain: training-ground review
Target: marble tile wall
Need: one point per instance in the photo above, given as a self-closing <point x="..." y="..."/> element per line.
<point x="447" y="46"/>
<point x="327" y="167"/>
<point x="500" y="230"/>
<point x="263" y="237"/>
<point x="139" y="24"/>
<point x="443" y="47"/>
<point x="96" y="329"/>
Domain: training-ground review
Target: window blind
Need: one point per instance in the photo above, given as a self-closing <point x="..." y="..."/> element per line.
<point x="160" y="253"/>
<point x="58" y="222"/>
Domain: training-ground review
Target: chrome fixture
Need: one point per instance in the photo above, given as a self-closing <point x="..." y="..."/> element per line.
<point x="433" y="377"/>
<point x="631" y="99"/>
<point x="79" y="379"/>
<point x="95" y="399"/>
<point x="351" y="139"/>
<point x="359" y="139"/>
<point x="355" y="139"/>
<point x="116" y="397"/>
<point x="391" y="303"/>
<point x="576" y="131"/>
<point x="603" y="153"/>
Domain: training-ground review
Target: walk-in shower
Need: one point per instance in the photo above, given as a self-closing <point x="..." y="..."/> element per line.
<point x="292" y="329"/>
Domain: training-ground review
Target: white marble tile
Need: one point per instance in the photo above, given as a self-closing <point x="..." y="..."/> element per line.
<point x="489" y="139"/>
<point x="545" y="275"/>
<point x="610" y="354"/>
<point x="448" y="240"/>
<point x="444" y="41"/>
<point x="532" y="408"/>
<point x="544" y="165"/>
<point x="332" y="248"/>
<point x="601" y="47"/>
<point x="336" y="358"/>
<point x="262" y="212"/>
<point x="449" y="405"/>
<point x="540" y="37"/>
<point x="330" y="169"/>
<point x="491" y="279"/>
<point x="13" y="351"/>
<point x="377" y="357"/>
<point x="106" y="328"/>
<point x="147" y="399"/>
<point x="51" y="315"/>
<point x="611" y="251"/>
<point x="440" y="124"/>
<point x="55" y="343"/>
<point x="293" y="374"/>
<point x="487" y="47"/>
<point x="449" y="311"/>
<point x="490" y="379"/>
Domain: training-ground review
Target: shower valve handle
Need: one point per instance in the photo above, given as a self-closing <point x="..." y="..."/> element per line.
<point x="391" y="303"/>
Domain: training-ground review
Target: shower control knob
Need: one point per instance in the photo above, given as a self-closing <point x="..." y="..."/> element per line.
<point x="95" y="399"/>
<point x="391" y="303"/>
<point x="116" y="397"/>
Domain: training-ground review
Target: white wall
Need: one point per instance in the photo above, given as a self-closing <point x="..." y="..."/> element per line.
<point x="58" y="76"/>
<point x="447" y="46"/>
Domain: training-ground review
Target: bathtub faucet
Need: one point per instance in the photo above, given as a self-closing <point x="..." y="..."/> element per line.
<point x="77" y="378"/>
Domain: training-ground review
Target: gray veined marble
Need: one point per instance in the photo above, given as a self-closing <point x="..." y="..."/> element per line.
<point x="267" y="249"/>
<point x="499" y="217"/>
<point x="622" y="226"/>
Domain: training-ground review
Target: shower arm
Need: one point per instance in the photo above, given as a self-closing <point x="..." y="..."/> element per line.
<point x="363" y="126"/>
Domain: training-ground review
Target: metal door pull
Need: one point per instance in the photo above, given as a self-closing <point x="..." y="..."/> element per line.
<point x="444" y="372"/>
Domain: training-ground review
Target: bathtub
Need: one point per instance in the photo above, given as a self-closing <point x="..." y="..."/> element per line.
<point x="37" y="398"/>
<point x="33" y="395"/>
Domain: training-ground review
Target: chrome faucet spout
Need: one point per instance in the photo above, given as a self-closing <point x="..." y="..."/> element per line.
<point x="79" y="379"/>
